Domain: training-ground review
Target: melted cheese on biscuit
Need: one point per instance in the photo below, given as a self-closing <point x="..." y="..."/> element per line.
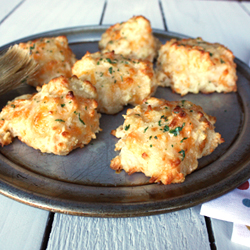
<point x="164" y="139"/>
<point x="58" y="119"/>
<point x="193" y="65"/>
<point x="133" y="38"/>
<point x="53" y="56"/>
<point x="119" y="81"/>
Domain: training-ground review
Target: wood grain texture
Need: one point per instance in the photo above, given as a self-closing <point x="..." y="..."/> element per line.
<point x="118" y="11"/>
<point x="179" y="230"/>
<point x="223" y="233"/>
<point x="21" y="226"/>
<point x="33" y="17"/>
<point x="7" y="7"/>
<point x="215" y="21"/>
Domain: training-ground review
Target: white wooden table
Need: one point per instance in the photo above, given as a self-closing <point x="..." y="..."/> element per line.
<point x="25" y="227"/>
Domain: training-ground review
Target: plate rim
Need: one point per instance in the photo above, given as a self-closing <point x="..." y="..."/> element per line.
<point x="115" y="209"/>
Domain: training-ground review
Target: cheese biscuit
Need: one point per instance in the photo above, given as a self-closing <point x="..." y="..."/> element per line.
<point x="58" y="119"/>
<point x="164" y="139"/>
<point x="193" y="65"/>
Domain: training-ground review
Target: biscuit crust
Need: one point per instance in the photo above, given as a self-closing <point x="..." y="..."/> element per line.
<point x="164" y="139"/>
<point x="118" y="80"/>
<point x="53" y="56"/>
<point x="193" y="65"/>
<point x="58" y="119"/>
<point x="133" y="38"/>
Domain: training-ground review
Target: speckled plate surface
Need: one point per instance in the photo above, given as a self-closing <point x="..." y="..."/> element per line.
<point x="82" y="183"/>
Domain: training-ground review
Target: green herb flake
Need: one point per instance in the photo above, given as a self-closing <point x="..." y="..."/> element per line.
<point x="81" y="119"/>
<point x="127" y="127"/>
<point x="145" y="129"/>
<point x="182" y="152"/>
<point x="185" y="138"/>
<point x="177" y="130"/>
<point x="32" y="47"/>
<point x="13" y="106"/>
<point x="222" y="61"/>
<point x="151" y="145"/>
<point x="62" y="105"/>
<point x="110" y="70"/>
<point x="166" y="128"/>
<point x="211" y="54"/>
<point x="156" y="137"/>
<point x="59" y="120"/>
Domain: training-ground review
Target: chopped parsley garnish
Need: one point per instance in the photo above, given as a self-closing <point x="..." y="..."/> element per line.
<point x="110" y="70"/>
<point x="111" y="62"/>
<point x="177" y="130"/>
<point x="59" y="120"/>
<point x="32" y="47"/>
<point x="222" y="61"/>
<point x="62" y="105"/>
<point x="127" y="127"/>
<point x="185" y="138"/>
<point x="166" y="128"/>
<point x="211" y="54"/>
<point x="145" y="129"/>
<point x="13" y="106"/>
<point x="182" y="152"/>
<point x="81" y="119"/>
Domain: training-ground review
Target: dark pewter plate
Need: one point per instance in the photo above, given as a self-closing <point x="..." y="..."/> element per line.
<point x="82" y="183"/>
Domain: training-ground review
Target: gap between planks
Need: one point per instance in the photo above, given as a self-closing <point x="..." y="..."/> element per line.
<point x="47" y="231"/>
<point x="51" y="216"/>
<point x="8" y="14"/>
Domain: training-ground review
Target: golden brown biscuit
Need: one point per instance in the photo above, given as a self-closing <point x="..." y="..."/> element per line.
<point x="164" y="139"/>
<point x="193" y="65"/>
<point x="53" y="56"/>
<point x="119" y="81"/>
<point x="133" y="38"/>
<point x="58" y="119"/>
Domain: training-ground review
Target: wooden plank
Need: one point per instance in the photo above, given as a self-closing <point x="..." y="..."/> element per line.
<point x="33" y="17"/>
<point x="179" y="230"/>
<point x="148" y="8"/>
<point x="210" y="20"/>
<point x="7" y="7"/>
<point x="21" y="226"/>
<point x="246" y="6"/>
<point x="223" y="233"/>
<point x="206" y="19"/>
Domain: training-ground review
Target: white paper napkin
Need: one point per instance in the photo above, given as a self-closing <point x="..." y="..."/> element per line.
<point x="233" y="207"/>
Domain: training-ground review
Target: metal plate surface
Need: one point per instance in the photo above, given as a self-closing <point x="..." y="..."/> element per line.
<point x="82" y="183"/>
